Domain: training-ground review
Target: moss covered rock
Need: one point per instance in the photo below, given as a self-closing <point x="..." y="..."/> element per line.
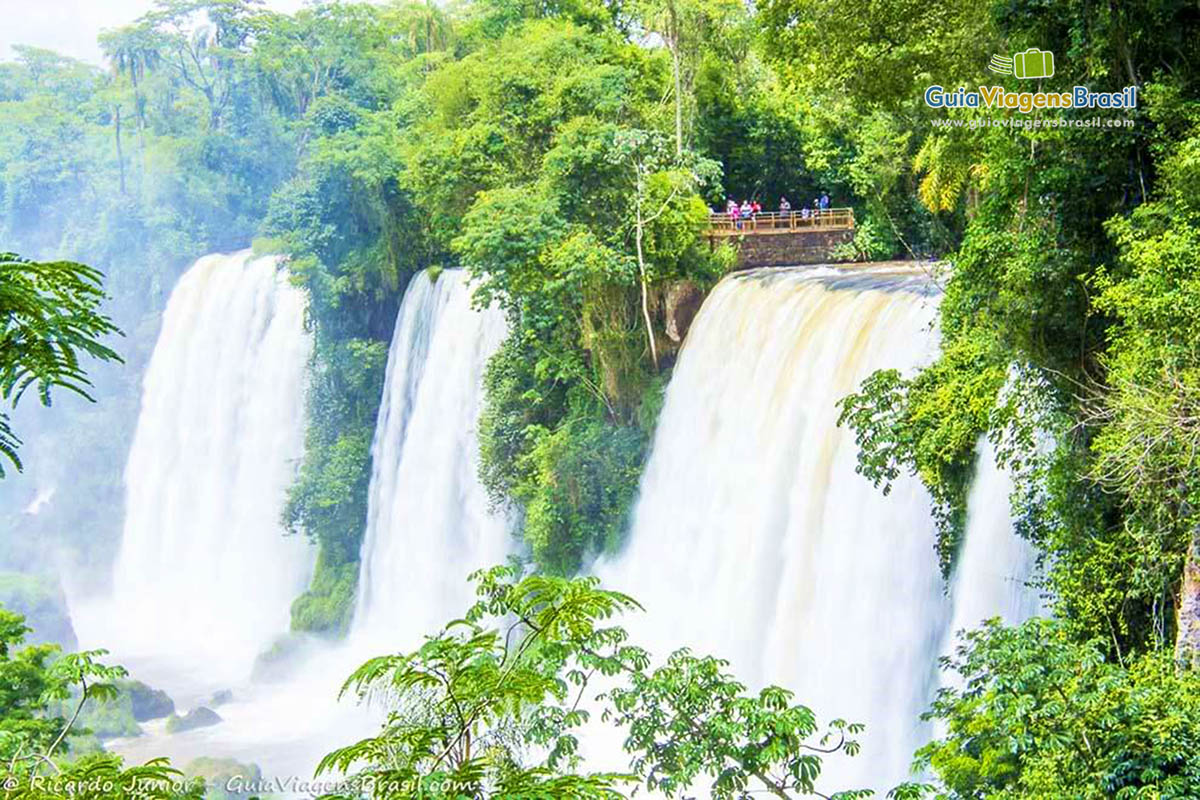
<point x="40" y="599"/>
<point x="108" y="719"/>
<point x="147" y="703"/>
<point x="328" y="605"/>
<point x="199" y="717"/>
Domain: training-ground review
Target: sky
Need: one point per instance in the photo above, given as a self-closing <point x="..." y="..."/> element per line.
<point x="70" y="26"/>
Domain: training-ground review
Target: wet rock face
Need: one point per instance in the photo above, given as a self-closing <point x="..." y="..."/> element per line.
<point x="683" y="302"/>
<point x="148" y="703"/>
<point x="199" y="717"/>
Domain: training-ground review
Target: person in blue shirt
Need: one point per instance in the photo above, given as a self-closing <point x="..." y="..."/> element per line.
<point x="824" y="201"/>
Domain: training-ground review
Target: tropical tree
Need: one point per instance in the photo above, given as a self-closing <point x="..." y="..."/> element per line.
<point x="49" y="317"/>
<point x="659" y="185"/>
<point x="132" y="50"/>
<point x="689" y="29"/>
<point x="496" y="703"/>
<point x="425" y="26"/>
<point x="1032" y="714"/>
<point x="202" y="41"/>
<point x="34" y="744"/>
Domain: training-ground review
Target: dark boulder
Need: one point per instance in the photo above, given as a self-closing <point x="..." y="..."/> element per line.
<point x="199" y="717"/>
<point x="148" y="703"/>
<point x="683" y="301"/>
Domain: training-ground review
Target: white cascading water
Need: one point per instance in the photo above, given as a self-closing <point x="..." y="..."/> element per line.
<point x="994" y="568"/>
<point x="754" y="539"/>
<point x="205" y="574"/>
<point x="428" y="526"/>
<point x="428" y="519"/>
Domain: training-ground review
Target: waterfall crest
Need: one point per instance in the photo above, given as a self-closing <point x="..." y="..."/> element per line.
<point x="205" y="575"/>
<point x="428" y="521"/>
<point x="754" y="538"/>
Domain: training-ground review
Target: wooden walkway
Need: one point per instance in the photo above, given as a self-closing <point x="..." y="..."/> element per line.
<point x="773" y="222"/>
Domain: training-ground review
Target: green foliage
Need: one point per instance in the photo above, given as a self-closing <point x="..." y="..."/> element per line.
<point x="51" y="318"/>
<point x="870" y="243"/>
<point x="503" y="237"/>
<point x="1153" y="365"/>
<point x="576" y="475"/>
<point x="493" y="705"/>
<point x="327" y="606"/>
<point x="41" y="601"/>
<point x="537" y="171"/>
<point x="577" y="487"/>
<point x="328" y="500"/>
<point x="928" y="425"/>
<point x="880" y="52"/>
<point x="689" y="719"/>
<point x="25" y="691"/>
<point x="43" y="695"/>
<point x="1039" y="715"/>
<point x="1071" y="282"/>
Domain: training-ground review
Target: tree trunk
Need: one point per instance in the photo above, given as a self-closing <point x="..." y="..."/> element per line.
<point x="120" y="154"/>
<point x="138" y="106"/>
<point x="642" y="275"/>
<point x="1187" y="637"/>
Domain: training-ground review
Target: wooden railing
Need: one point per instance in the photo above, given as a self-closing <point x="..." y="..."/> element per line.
<point x="768" y="222"/>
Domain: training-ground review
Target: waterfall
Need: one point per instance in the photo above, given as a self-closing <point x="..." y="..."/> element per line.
<point x="428" y="520"/>
<point x="205" y="575"/>
<point x="754" y="539"/>
<point x="994" y="567"/>
<point x="428" y="524"/>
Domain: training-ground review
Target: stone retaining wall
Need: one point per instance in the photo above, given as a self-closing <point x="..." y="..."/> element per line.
<point x="784" y="249"/>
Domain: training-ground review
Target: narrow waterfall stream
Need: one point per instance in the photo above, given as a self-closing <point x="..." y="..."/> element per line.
<point x="995" y="566"/>
<point x="428" y="521"/>
<point x="754" y="538"/>
<point x="205" y="575"/>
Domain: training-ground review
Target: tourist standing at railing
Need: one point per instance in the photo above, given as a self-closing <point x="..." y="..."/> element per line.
<point x="746" y="210"/>
<point x="824" y="202"/>
<point x="784" y="206"/>
<point x="755" y="208"/>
